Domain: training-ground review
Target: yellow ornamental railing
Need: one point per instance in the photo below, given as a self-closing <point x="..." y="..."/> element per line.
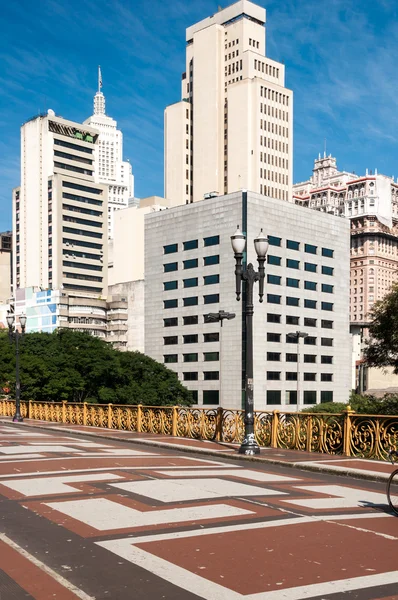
<point x="347" y="433"/>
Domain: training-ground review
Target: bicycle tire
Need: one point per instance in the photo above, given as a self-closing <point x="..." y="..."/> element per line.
<point x="392" y="491"/>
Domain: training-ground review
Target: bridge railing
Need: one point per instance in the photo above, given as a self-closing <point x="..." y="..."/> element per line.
<point x="347" y="433"/>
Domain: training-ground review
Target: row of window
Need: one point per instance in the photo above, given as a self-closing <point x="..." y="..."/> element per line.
<point x="274" y="95"/>
<point x="191" y="282"/>
<point x="293" y="245"/>
<point x="309" y="396"/>
<point x="192" y="301"/>
<point x="294" y="320"/>
<point x="295" y="283"/>
<point x="293" y="301"/>
<point x="192" y="263"/>
<point x="295" y="264"/>
<point x="192" y="357"/>
<point x="291" y="338"/>
<point x="292" y="376"/>
<point x="207" y="376"/>
<point x="213" y="240"/>
<point x="191" y="338"/>
<point x="292" y="357"/>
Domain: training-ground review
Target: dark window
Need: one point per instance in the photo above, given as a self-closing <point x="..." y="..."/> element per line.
<point x="170" y="340"/>
<point x="328" y="289"/>
<point x="291" y="376"/>
<point x="273" y="299"/>
<point x="326" y="341"/>
<point x="190" y="376"/>
<point x="190" y="320"/>
<point x="170" y="249"/>
<point x="309" y="322"/>
<point x="309" y="397"/>
<point x="211" y="375"/>
<point x="292" y="245"/>
<point x="211" y="241"/>
<point x="309" y="303"/>
<point x="170" y="285"/>
<point x="309" y="376"/>
<point x="327" y="360"/>
<point x="275" y="279"/>
<point x="291" y="320"/>
<point x="326" y="396"/>
<point x="191" y="263"/>
<point x="310" y="267"/>
<point x="191" y="282"/>
<point x="211" y="337"/>
<point x="190" y="357"/>
<point x="190" y="339"/>
<point x="191" y="301"/>
<point x="170" y="358"/>
<point x="326" y="377"/>
<point x="170" y="303"/>
<point x="194" y="394"/>
<point x="275" y="356"/>
<point x="310" y="340"/>
<point x="291" y="397"/>
<point x="210" y="279"/>
<point x="291" y="357"/>
<point x="210" y="356"/>
<point x="273" y="375"/>
<point x="271" y="318"/>
<point x="292" y="264"/>
<point x="274" y="260"/>
<point x="274" y="241"/>
<point x="327" y="252"/>
<point x="310" y="358"/>
<point x="327" y="270"/>
<point x="292" y="282"/>
<point x="273" y="337"/>
<point x="273" y="397"/>
<point x="310" y="249"/>
<point x="211" y="260"/>
<point x="292" y="301"/>
<point x="168" y="267"/>
<point x="170" y="322"/>
<point x="310" y="285"/>
<point x="327" y="324"/>
<point x="191" y="245"/>
<point x="210" y="397"/>
<point x="211" y="298"/>
<point x="326" y="305"/>
<point x="291" y="338"/>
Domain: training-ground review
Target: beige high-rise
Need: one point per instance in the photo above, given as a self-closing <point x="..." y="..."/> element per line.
<point x="233" y="128"/>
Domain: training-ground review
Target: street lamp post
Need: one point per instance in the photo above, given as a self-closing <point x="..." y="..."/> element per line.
<point x="299" y="334"/>
<point x="215" y="318"/>
<point x="16" y="335"/>
<point x="250" y="276"/>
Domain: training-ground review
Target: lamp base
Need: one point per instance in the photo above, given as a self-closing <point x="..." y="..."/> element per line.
<point x="249" y="446"/>
<point x="17" y="419"/>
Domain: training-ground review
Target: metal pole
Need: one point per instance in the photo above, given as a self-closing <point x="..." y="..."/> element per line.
<point x="220" y="367"/>
<point x="298" y="373"/>
<point x="17" y="417"/>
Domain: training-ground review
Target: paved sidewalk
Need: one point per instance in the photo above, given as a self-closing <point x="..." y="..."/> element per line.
<point x="358" y="468"/>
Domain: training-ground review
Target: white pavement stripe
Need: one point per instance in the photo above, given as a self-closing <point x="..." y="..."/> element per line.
<point x="61" y="580"/>
<point x="50" y="486"/>
<point x="351" y="470"/>
<point x="36" y="448"/>
<point x="242" y="474"/>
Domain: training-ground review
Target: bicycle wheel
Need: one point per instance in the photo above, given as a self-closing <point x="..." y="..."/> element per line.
<point x="392" y="491"/>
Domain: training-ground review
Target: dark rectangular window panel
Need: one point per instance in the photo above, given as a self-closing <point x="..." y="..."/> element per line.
<point x="310" y="249"/>
<point x="172" y="322"/>
<point x="310" y="285"/>
<point x="274" y="260"/>
<point x="327" y="360"/>
<point x="170" y="340"/>
<point x="190" y="320"/>
<point x="292" y="264"/>
<point x="271" y="318"/>
<point x="210" y="356"/>
<point x="326" y="341"/>
<point x="290" y="282"/>
<point x="170" y="303"/>
<point x="211" y="279"/>
<point x="274" y="241"/>
<point x="211" y="337"/>
<point x="192" y="263"/>
<point x="211" y="397"/>
<point x="170" y="285"/>
<point x="190" y="339"/>
<point x="310" y="340"/>
<point x="211" y="260"/>
<point x="328" y="289"/>
<point x="312" y="267"/>
<point x="190" y="357"/>
<point x="170" y="249"/>
<point x="275" y="279"/>
<point x="327" y="270"/>
<point x="211" y="375"/>
<point x="291" y="376"/>
<point x="211" y="298"/>
<point x="310" y="358"/>
<point x="309" y="303"/>
<point x="291" y="357"/>
<point x="194" y="394"/>
<point x="326" y="305"/>
<point x="170" y="358"/>
<point x="168" y="267"/>
<point x="292" y="245"/>
<point x="326" y="377"/>
<point x="291" y="338"/>
<point x="326" y="396"/>
<point x="191" y="282"/>
<point x="211" y="241"/>
<point x="273" y="299"/>
<point x="326" y="324"/>
<point x="191" y="301"/>
<point x="309" y="322"/>
<point x="273" y="397"/>
<point x="290" y="301"/>
<point x="190" y="376"/>
<point x="273" y="375"/>
<point x="327" y="252"/>
<point x="309" y="397"/>
<point x="291" y="397"/>
<point x="291" y="320"/>
<point x="191" y="245"/>
<point x="274" y="356"/>
<point x="309" y="376"/>
<point x="273" y="337"/>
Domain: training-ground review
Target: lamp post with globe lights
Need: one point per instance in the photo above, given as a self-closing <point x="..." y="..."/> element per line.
<point x="16" y="335"/>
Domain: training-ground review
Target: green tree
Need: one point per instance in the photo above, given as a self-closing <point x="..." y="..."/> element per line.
<point x="382" y="347"/>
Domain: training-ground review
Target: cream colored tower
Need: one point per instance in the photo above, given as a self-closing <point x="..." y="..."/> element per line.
<point x="233" y="128"/>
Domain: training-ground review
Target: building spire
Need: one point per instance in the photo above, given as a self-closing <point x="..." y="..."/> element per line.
<point x="99" y="98"/>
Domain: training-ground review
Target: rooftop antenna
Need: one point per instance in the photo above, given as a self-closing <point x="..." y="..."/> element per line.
<point x="324" y="151"/>
<point x="99" y="79"/>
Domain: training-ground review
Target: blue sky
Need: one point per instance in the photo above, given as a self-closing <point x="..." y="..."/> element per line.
<point x="340" y="58"/>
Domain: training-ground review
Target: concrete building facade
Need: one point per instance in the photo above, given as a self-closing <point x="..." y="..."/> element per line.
<point x="189" y="272"/>
<point x="233" y="127"/>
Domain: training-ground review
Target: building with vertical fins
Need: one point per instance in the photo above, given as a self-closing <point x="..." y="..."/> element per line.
<point x="233" y="128"/>
<point x="110" y="169"/>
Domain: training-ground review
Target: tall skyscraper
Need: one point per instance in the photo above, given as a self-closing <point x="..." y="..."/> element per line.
<point x="59" y="211"/>
<point x="233" y="128"/>
<point x="110" y="169"/>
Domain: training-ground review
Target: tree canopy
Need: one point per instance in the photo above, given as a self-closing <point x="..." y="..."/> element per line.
<point x="77" y="367"/>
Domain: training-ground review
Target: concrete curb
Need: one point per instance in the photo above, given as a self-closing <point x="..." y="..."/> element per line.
<point x="315" y="468"/>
